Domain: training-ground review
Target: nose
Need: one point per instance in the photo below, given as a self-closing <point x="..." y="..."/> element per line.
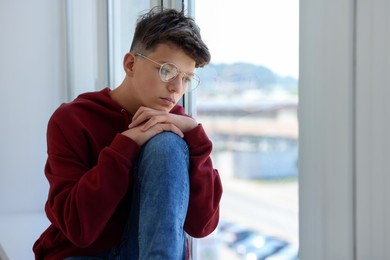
<point x="176" y="85"/>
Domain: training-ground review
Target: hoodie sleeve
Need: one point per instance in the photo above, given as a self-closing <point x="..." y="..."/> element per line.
<point x="83" y="195"/>
<point x="205" y="186"/>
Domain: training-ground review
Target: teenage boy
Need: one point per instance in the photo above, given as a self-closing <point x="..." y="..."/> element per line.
<point x="129" y="172"/>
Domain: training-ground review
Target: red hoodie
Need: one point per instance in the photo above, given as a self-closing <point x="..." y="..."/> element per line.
<point x="89" y="169"/>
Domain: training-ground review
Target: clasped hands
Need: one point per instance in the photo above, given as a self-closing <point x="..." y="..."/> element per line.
<point x="148" y="122"/>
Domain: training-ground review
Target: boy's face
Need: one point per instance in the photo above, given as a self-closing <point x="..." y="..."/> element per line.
<point x="147" y="87"/>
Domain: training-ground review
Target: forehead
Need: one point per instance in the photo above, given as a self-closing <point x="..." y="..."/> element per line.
<point x="166" y="52"/>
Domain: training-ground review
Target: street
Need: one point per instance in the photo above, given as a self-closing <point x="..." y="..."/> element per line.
<point x="270" y="207"/>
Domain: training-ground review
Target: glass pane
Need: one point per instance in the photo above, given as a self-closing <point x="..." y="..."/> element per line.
<point x="247" y="102"/>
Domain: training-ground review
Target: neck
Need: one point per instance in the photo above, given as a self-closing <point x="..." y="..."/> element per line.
<point x="123" y="97"/>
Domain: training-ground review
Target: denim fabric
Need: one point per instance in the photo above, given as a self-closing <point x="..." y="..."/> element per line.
<point x="160" y="201"/>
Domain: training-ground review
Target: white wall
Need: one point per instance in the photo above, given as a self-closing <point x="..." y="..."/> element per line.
<point x="50" y="51"/>
<point x="32" y="83"/>
<point x="344" y="129"/>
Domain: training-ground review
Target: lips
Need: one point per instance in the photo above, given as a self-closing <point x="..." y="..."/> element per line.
<point x="168" y="100"/>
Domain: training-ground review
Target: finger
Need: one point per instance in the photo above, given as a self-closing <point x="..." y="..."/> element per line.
<point x="139" y="112"/>
<point x="159" y="128"/>
<point x="140" y="117"/>
<point x="144" y="114"/>
<point x="169" y="128"/>
<point x="137" y="122"/>
<point x="156" y="119"/>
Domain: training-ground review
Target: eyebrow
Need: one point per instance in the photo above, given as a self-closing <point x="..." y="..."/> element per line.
<point x="158" y="62"/>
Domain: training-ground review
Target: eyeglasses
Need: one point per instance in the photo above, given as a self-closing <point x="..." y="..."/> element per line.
<point x="169" y="71"/>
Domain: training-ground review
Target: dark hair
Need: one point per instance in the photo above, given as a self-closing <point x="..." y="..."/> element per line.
<point x="170" y="26"/>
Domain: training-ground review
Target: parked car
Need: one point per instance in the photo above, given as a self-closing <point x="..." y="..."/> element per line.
<point x="254" y="245"/>
<point x="271" y="246"/>
<point x="253" y="240"/>
<point x="232" y="234"/>
<point x="289" y="252"/>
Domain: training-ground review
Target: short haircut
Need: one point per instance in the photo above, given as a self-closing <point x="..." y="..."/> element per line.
<point x="170" y="26"/>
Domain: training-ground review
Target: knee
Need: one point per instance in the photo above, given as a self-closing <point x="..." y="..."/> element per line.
<point x="167" y="144"/>
<point x="166" y="154"/>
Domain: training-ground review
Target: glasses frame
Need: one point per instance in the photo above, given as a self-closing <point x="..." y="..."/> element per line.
<point x="194" y="82"/>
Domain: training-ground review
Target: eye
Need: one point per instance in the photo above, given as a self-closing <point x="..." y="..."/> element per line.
<point x="168" y="71"/>
<point x="165" y="71"/>
<point x="187" y="79"/>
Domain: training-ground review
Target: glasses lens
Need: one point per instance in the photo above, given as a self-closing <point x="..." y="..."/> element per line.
<point x="194" y="82"/>
<point x="168" y="72"/>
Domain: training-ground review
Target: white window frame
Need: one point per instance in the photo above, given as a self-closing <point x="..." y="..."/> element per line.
<point x="344" y="129"/>
<point x="86" y="46"/>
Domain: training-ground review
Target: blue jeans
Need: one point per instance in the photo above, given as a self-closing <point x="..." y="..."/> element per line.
<point x="160" y="201"/>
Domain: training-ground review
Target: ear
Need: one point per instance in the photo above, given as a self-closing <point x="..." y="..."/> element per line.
<point x="128" y="64"/>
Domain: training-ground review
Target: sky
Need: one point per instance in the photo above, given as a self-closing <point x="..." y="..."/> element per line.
<point x="262" y="32"/>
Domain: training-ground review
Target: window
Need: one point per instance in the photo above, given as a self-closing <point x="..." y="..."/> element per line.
<point x="248" y="102"/>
